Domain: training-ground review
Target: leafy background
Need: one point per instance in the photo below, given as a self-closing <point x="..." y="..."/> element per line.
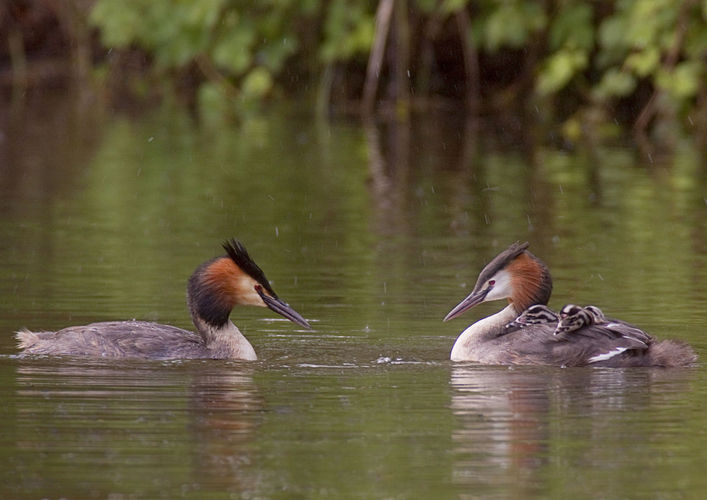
<point x="639" y="63"/>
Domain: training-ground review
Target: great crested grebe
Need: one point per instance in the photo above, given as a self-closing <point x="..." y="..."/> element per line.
<point x="569" y="319"/>
<point x="573" y="317"/>
<point x="212" y="291"/>
<point x="519" y="276"/>
<point x="534" y="315"/>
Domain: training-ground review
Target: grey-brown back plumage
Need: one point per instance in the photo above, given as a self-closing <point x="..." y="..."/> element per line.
<point x="116" y="339"/>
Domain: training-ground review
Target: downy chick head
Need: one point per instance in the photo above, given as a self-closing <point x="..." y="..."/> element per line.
<point x="573" y="318"/>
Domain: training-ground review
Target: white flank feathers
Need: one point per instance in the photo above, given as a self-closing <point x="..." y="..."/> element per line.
<point x="608" y="355"/>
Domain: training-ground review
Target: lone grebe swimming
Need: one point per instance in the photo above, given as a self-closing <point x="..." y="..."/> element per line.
<point x="519" y="276"/>
<point x="213" y="290"/>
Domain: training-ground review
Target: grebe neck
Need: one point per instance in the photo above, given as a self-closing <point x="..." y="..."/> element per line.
<point x="210" y="307"/>
<point x="225" y="341"/>
<point x="482" y="330"/>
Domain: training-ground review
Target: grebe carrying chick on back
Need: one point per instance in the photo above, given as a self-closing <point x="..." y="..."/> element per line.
<point x="505" y="339"/>
<point x="215" y="287"/>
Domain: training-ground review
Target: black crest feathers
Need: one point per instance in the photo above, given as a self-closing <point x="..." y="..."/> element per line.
<point x="237" y="252"/>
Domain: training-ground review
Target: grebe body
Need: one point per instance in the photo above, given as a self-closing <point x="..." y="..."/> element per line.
<point x="214" y="288"/>
<point x="524" y="280"/>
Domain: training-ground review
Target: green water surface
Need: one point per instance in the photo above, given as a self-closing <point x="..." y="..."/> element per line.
<point x="373" y="233"/>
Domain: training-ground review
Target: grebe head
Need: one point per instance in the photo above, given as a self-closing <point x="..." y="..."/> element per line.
<point x="597" y="313"/>
<point x="573" y="317"/>
<point x="514" y="274"/>
<point x="233" y="279"/>
<point x="534" y="315"/>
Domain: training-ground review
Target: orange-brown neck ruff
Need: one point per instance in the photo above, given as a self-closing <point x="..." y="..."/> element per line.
<point x="213" y="290"/>
<point x="531" y="281"/>
<point x="223" y="276"/>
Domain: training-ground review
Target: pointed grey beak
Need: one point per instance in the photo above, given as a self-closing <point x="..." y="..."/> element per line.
<point x="473" y="299"/>
<point x="282" y="308"/>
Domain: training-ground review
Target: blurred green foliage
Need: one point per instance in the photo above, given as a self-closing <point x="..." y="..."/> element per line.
<point x="597" y="52"/>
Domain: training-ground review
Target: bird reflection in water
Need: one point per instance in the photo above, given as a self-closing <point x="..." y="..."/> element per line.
<point x="99" y="424"/>
<point x="521" y="425"/>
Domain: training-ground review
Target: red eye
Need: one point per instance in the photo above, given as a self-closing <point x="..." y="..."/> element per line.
<point x="492" y="282"/>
